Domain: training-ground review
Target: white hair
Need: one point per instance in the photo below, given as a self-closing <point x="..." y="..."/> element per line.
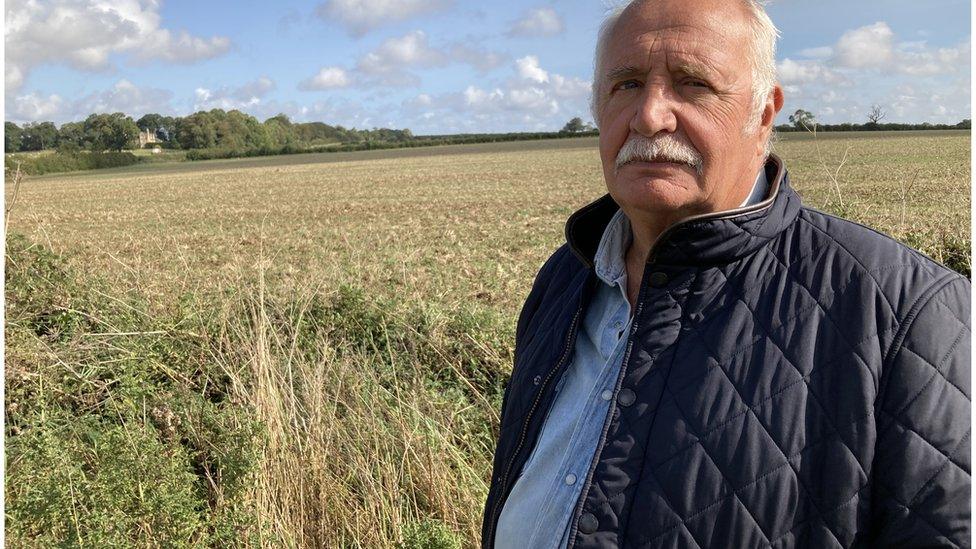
<point x="762" y="49"/>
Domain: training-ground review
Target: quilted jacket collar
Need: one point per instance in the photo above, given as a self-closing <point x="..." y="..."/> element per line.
<point x="706" y="239"/>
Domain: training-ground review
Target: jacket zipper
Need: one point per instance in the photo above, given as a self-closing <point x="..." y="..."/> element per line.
<point x="574" y="518"/>
<point x="570" y="338"/>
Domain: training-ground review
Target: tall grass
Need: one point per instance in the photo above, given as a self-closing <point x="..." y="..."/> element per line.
<point x="326" y="417"/>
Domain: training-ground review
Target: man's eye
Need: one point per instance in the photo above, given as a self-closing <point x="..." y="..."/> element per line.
<point x="626" y="85"/>
<point x="695" y="83"/>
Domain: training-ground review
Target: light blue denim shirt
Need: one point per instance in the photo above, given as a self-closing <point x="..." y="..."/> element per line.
<point x="537" y="513"/>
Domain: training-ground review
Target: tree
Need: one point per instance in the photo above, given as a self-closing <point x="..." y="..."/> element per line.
<point x="196" y="131"/>
<point x="150" y="122"/>
<point x="11" y="137"/>
<point x="575" y="125"/>
<point x="37" y="136"/>
<point x="71" y="137"/>
<point x="876" y="114"/>
<point x="803" y="120"/>
<point x="113" y="132"/>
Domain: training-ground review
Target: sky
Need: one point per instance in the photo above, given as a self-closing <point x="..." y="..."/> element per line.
<point x="443" y="66"/>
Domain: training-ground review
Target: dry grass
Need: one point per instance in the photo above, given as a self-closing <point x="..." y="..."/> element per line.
<point x="365" y="307"/>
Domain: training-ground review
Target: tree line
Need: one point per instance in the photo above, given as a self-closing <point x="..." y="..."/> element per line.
<point x="214" y="129"/>
<point x="803" y="120"/>
<point x="220" y="134"/>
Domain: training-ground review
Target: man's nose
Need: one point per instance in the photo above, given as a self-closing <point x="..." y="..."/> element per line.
<point x="654" y="111"/>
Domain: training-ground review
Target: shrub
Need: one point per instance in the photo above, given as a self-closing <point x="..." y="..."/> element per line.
<point x="72" y="161"/>
<point x="120" y="429"/>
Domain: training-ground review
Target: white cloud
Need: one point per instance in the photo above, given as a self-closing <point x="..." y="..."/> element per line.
<point x="423" y="100"/>
<point x="823" y="52"/>
<point x="34" y="107"/>
<point x="123" y="96"/>
<point x="532" y="99"/>
<point x="327" y="78"/>
<point x="529" y="69"/>
<point x="412" y="49"/>
<point x="538" y="22"/>
<point x="362" y="16"/>
<point x="241" y="97"/>
<point x="800" y="72"/>
<point x="86" y="33"/>
<point x="875" y="47"/>
<point x="570" y="87"/>
<point x="866" y="47"/>
<point x="392" y="63"/>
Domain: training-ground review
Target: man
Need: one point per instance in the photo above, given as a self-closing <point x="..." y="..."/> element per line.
<point x="707" y="362"/>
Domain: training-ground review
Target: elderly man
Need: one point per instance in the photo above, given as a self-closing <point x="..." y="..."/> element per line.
<point x="709" y="363"/>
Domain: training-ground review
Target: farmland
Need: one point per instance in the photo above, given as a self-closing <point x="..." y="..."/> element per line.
<point x="310" y="349"/>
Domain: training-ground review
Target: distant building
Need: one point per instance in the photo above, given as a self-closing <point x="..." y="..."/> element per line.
<point x="147" y="137"/>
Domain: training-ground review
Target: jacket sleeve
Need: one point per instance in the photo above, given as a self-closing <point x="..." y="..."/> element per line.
<point x="921" y="471"/>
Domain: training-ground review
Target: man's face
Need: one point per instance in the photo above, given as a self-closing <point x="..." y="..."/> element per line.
<point x="680" y="70"/>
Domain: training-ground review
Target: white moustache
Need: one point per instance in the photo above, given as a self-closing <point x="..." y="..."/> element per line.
<point x="663" y="147"/>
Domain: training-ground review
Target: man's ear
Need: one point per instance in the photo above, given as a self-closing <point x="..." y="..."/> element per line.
<point x="774" y="104"/>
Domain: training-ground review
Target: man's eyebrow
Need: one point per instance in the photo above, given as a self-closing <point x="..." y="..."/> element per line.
<point x="621" y="72"/>
<point x="695" y="70"/>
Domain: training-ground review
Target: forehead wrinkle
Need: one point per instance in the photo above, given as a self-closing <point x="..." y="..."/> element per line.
<point x="689" y="46"/>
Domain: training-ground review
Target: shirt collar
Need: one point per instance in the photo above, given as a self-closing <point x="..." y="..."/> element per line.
<point x="759" y="189"/>
<point x="609" y="262"/>
<point x="610" y="259"/>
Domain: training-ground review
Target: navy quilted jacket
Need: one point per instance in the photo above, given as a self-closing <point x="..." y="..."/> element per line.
<point x="800" y="381"/>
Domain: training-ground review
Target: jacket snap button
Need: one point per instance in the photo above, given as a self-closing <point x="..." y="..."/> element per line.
<point x="658" y="279"/>
<point x="537" y="380"/>
<point x="588" y="523"/>
<point x="626" y="397"/>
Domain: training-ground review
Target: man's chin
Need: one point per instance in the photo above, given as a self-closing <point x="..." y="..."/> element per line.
<point x="656" y="189"/>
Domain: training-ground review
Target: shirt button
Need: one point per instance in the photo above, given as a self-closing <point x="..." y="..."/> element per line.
<point x="606" y="394"/>
<point x="658" y="279"/>
<point x="570" y="479"/>
<point x="626" y="397"/>
<point x="618" y="325"/>
<point x="588" y="523"/>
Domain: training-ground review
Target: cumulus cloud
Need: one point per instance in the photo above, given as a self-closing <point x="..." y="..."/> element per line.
<point x="799" y="72"/>
<point x="123" y="96"/>
<point x="410" y="50"/>
<point x="531" y="99"/>
<point x="361" y="16"/>
<point x="84" y="34"/>
<point x="326" y="79"/>
<point x="875" y="47"/>
<point x="538" y="22"/>
<point x="529" y="69"/>
<point x="241" y="97"/>
<point x="822" y="52"/>
<point x="870" y="65"/>
<point x="126" y="97"/>
<point x="35" y="107"/>
<point x="870" y="46"/>
<point x="394" y="61"/>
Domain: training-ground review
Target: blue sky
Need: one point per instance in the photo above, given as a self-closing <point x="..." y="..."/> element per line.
<point x="443" y="66"/>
